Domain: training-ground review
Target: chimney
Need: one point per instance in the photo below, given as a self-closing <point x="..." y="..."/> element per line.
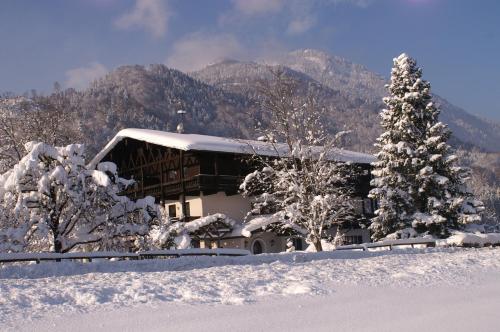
<point x="180" y="126"/>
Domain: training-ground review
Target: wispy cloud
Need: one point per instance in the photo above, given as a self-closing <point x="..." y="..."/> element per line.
<point x="301" y="15"/>
<point x="79" y="78"/>
<point x="358" y="3"/>
<point x="151" y="15"/>
<point x="257" y="7"/>
<point x="197" y="50"/>
<point x="298" y="26"/>
<point x="100" y="3"/>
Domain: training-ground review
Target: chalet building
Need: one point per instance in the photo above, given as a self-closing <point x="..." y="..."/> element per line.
<point x="194" y="176"/>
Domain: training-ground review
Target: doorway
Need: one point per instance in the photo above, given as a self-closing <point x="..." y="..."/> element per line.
<point x="257" y="247"/>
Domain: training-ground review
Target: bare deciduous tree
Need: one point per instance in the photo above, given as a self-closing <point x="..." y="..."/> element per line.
<point x="304" y="185"/>
<point x="51" y="119"/>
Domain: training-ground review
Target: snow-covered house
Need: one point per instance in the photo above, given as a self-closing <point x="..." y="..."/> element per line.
<point x="194" y="176"/>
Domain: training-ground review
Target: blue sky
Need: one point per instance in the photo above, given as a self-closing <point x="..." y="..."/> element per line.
<point x="457" y="42"/>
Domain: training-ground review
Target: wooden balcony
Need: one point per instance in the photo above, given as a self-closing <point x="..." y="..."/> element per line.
<point x="205" y="183"/>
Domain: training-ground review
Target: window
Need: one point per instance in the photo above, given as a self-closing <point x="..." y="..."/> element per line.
<point x="172" y="176"/>
<point x="353" y="239"/>
<point x="367" y="204"/>
<point x="191" y="171"/>
<point x="172" y="211"/>
<point x="297" y="243"/>
<point x="358" y="206"/>
<point x="188" y="210"/>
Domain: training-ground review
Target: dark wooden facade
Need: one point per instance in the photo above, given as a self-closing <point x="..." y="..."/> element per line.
<point x="172" y="174"/>
<point x="168" y="174"/>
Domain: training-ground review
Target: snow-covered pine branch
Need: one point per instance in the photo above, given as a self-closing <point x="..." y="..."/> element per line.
<point x="417" y="183"/>
<point x="49" y="200"/>
<point x="303" y="187"/>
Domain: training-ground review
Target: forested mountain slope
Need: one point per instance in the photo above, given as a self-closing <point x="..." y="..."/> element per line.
<point x="223" y="99"/>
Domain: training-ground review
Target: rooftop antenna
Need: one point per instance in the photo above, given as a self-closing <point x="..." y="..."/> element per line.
<point x="180" y="126"/>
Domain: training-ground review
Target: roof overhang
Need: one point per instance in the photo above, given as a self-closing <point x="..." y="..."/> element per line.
<point x="187" y="142"/>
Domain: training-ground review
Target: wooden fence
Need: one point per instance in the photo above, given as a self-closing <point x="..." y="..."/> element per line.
<point x="89" y="256"/>
<point x="389" y="244"/>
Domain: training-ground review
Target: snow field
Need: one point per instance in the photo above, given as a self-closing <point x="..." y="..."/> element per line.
<point x="50" y="289"/>
<point x="348" y="308"/>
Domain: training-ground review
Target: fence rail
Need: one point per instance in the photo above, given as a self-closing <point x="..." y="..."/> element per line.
<point x="89" y="256"/>
<point x="389" y="243"/>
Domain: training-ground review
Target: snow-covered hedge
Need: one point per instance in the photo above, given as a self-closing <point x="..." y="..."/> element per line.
<point x="463" y="239"/>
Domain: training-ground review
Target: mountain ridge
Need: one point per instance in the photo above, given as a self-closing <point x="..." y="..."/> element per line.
<point x="363" y="88"/>
<point x="223" y="100"/>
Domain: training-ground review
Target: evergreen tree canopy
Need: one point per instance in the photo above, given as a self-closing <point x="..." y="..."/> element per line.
<point x="416" y="180"/>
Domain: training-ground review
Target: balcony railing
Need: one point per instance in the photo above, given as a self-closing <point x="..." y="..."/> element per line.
<point x="208" y="182"/>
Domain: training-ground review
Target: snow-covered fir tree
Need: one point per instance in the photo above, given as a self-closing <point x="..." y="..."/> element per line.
<point x="417" y="183"/>
<point x="49" y="200"/>
<point x="304" y="187"/>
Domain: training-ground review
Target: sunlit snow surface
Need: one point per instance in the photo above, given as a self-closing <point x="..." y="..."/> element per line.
<point x="60" y="295"/>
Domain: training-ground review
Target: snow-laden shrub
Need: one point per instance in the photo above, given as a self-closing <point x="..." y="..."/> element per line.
<point x="179" y="235"/>
<point x="405" y="233"/>
<point x="49" y="200"/>
<point x="462" y="239"/>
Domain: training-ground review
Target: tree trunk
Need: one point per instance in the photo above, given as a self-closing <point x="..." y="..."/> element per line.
<point x="57" y="246"/>
<point x="317" y="244"/>
<point x="57" y="241"/>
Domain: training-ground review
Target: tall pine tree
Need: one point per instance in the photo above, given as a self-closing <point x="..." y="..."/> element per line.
<point x="416" y="181"/>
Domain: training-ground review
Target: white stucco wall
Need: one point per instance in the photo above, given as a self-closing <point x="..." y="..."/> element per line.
<point x="195" y="206"/>
<point x="271" y="243"/>
<point x="234" y="206"/>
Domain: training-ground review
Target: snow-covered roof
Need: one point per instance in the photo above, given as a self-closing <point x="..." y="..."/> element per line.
<point x="194" y="225"/>
<point x="197" y="142"/>
<point x="254" y="224"/>
<point x="260" y="223"/>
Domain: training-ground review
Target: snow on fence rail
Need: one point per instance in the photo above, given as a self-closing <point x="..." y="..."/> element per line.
<point x="390" y="244"/>
<point x="38" y="257"/>
<point x="458" y="239"/>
